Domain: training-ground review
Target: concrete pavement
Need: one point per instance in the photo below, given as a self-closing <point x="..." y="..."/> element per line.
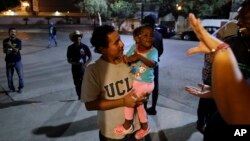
<point x="48" y="108"/>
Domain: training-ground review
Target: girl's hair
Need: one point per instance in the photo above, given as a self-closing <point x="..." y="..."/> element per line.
<point x="139" y="29"/>
<point x="136" y="31"/>
<point x="100" y="37"/>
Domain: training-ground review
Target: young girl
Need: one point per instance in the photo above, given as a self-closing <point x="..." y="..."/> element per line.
<point x="143" y="58"/>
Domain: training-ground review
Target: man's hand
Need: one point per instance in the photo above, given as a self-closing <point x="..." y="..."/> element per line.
<point x="131" y="99"/>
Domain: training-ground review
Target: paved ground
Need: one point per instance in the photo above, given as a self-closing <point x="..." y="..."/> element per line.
<point x="48" y="109"/>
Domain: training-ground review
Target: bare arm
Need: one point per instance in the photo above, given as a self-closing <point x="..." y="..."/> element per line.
<point x="136" y="57"/>
<point x="230" y="91"/>
<point x="202" y="91"/>
<point x="101" y="104"/>
<point x="130" y="100"/>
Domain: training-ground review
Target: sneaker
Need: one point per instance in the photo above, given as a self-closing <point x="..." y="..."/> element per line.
<point x="11" y="90"/>
<point x="20" y="91"/>
<point x="142" y="133"/>
<point x="151" y="111"/>
<point x="120" y="130"/>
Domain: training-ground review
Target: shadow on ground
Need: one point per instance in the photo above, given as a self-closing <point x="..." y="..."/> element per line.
<point x="59" y="130"/>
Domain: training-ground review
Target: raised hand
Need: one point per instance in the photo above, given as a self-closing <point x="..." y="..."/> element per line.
<point x="207" y="41"/>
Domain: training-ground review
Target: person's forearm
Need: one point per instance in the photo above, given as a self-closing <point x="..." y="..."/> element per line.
<point x="146" y="61"/>
<point x="88" y="61"/>
<point x="229" y="88"/>
<point x="74" y="63"/>
<point x="104" y="104"/>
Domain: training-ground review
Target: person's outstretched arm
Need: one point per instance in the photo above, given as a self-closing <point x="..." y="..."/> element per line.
<point x="230" y="90"/>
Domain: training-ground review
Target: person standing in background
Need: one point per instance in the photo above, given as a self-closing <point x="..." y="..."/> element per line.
<point x="79" y="56"/>
<point x="52" y="34"/>
<point x="11" y="47"/>
<point x="158" y="44"/>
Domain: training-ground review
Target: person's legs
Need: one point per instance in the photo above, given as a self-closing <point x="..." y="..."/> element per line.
<point x="129" y="114"/>
<point x="156" y="87"/>
<point x="126" y="127"/>
<point x="201" y="114"/>
<point x="77" y="77"/>
<point x="9" y="73"/>
<point x="55" y="41"/>
<point x="216" y="128"/>
<point x="155" y="93"/>
<point x="142" y="114"/>
<point x="141" y="133"/>
<point x="206" y="109"/>
<point x="49" y="40"/>
<point x="142" y="88"/>
<point x="19" y="70"/>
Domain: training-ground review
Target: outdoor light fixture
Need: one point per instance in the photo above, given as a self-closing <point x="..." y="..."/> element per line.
<point x="178" y="7"/>
<point x="25" y="4"/>
<point x="9" y="12"/>
<point x="57" y="13"/>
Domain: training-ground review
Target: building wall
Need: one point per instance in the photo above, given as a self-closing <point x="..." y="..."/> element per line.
<point x="20" y="20"/>
<point x="57" y="5"/>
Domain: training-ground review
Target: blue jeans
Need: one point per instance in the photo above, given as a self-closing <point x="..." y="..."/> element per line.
<point x="18" y="66"/>
<point x="52" y="38"/>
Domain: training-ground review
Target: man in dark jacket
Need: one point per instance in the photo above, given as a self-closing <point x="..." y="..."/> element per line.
<point x="78" y="55"/>
<point x="11" y="47"/>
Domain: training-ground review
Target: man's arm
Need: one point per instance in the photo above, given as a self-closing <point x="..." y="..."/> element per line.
<point x="130" y="100"/>
<point x="89" y="55"/>
<point x="5" y="46"/>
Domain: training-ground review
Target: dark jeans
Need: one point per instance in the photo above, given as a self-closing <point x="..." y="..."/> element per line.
<point x="206" y="109"/>
<point x="129" y="137"/>
<point x="77" y="73"/>
<point x="52" y="38"/>
<point x="216" y="128"/>
<point x="155" y="92"/>
<point x="18" y="66"/>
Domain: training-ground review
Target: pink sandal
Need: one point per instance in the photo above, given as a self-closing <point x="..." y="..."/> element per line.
<point x="120" y="130"/>
<point x="142" y="133"/>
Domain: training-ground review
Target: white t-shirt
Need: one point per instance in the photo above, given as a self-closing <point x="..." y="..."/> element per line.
<point x="107" y="81"/>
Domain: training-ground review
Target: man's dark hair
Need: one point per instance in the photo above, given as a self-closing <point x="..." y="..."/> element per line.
<point x="11" y="28"/>
<point x="149" y="20"/>
<point x="245" y="2"/>
<point x="100" y="37"/>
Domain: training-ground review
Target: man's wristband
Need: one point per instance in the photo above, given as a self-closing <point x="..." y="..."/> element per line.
<point x="220" y="47"/>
